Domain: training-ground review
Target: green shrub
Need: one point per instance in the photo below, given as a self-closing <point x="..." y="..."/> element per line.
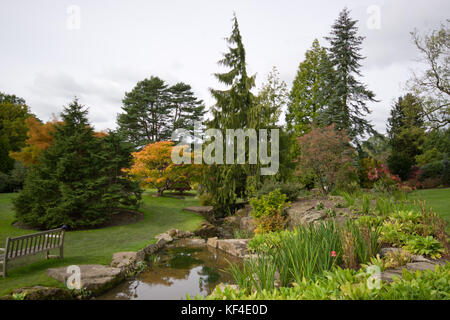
<point x="432" y="170"/>
<point x="6" y="184"/>
<point x="290" y="189"/>
<point x="272" y="203"/>
<point x="205" y="199"/>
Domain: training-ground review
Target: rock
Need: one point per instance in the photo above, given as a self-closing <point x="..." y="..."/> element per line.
<point x="412" y="257"/>
<point x="385" y="251"/>
<point x="212" y="242"/>
<point x="183" y="234"/>
<point x="248" y="224"/>
<point x="232" y="220"/>
<point x="388" y="275"/>
<point x="126" y="260"/>
<point x="164" y="236"/>
<point x="206" y="230"/>
<point x="193" y="242"/>
<point x="235" y="247"/>
<point x="95" y="278"/>
<point x="303" y="213"/>
<point x="172" y="232"/>
<point x="414" y="266"/>
<point x="44" y="293"/>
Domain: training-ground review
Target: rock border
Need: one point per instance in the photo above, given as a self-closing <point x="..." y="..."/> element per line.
<point x="122" y="266"/>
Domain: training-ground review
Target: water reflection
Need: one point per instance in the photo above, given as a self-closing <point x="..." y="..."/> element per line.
<point x="179" y="270"/>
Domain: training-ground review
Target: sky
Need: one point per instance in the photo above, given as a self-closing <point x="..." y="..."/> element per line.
<point x="54" y="50"/>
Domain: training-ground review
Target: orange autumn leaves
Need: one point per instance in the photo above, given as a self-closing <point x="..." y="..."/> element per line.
<point x="153" y="168"/>
<point x="40" y="137"/>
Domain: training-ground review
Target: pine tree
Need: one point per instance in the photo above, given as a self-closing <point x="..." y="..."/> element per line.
<point x="186" y="107"/>
<point x="312" y="90"/>
<point x="78" y="181"/>
<point x="146" y="116"/>
<point x="234" y="109"/>
<point x="153" y="110"/>
<point x="350" y="108"/>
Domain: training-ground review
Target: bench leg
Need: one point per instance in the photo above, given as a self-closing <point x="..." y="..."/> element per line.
<point x="4" y="269"/>
<point x="61" y="253"/>
<point x="47" y="254"/>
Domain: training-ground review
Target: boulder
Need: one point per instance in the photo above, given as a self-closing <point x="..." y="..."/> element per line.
<point x="303" y="213"/>
<point x="172" y="232"/>
<point x="388" y="275"/>
<point x="232" y="220"/>
<point x="414" y="266"/>
<point x="44" y="293"/>
<point x="164" y="236"/>
<point x="94" y="278"/>
<point x="206" y="230"/>
<point x="126" y="260"/>
<point x="235" y="247"/>
<point x="183" y="234"/>
<point x="193" y="242"/>
<point x="212" y="242"/>
<point x="248" y="224"/>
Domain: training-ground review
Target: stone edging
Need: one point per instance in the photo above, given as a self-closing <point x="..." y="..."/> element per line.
<point x="97" y="279"/>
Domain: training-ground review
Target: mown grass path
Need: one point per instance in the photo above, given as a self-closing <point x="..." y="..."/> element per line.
<point x="436" y="199"/>
<point x="94" y="246"/>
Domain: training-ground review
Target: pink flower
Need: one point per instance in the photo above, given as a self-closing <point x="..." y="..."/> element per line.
<point x="333" y="253"/>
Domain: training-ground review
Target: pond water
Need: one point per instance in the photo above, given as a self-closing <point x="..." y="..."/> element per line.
<point x="181" y="268"/>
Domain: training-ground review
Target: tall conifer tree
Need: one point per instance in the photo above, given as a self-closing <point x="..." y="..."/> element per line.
<point x="349" y="111"/>
<point x="233" y="110"/>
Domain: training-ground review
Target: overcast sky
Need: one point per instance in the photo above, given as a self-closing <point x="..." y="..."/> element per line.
<point x="51" y="52"/>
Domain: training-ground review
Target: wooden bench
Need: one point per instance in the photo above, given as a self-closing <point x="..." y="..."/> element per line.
<point x="32" y="244"/>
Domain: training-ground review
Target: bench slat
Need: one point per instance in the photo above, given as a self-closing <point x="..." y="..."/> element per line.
<point x="32" y="244"/>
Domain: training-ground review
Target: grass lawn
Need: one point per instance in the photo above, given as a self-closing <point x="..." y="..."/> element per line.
<point x="94" y="246"/>
<point x="437" y="199"/>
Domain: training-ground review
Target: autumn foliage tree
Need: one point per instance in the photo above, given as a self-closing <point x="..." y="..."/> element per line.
<point x="328" y="155"/>
<point x="40" y="137"/>
<point x="153" y="167"/>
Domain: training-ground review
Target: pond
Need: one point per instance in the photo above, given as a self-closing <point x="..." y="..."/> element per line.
<point x="181" y="268"/>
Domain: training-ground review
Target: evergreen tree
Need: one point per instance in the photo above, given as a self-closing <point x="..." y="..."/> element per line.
<point x="78" y="181"/>
<point x="234" y="109"/>
<point x="152" y="110"/>
<point x="186" y="107"/>
<point x="146" y="116"/>
<point x="312" y="90"/>
<point x="406" y="132"/>
<point x="349" y="109"/>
